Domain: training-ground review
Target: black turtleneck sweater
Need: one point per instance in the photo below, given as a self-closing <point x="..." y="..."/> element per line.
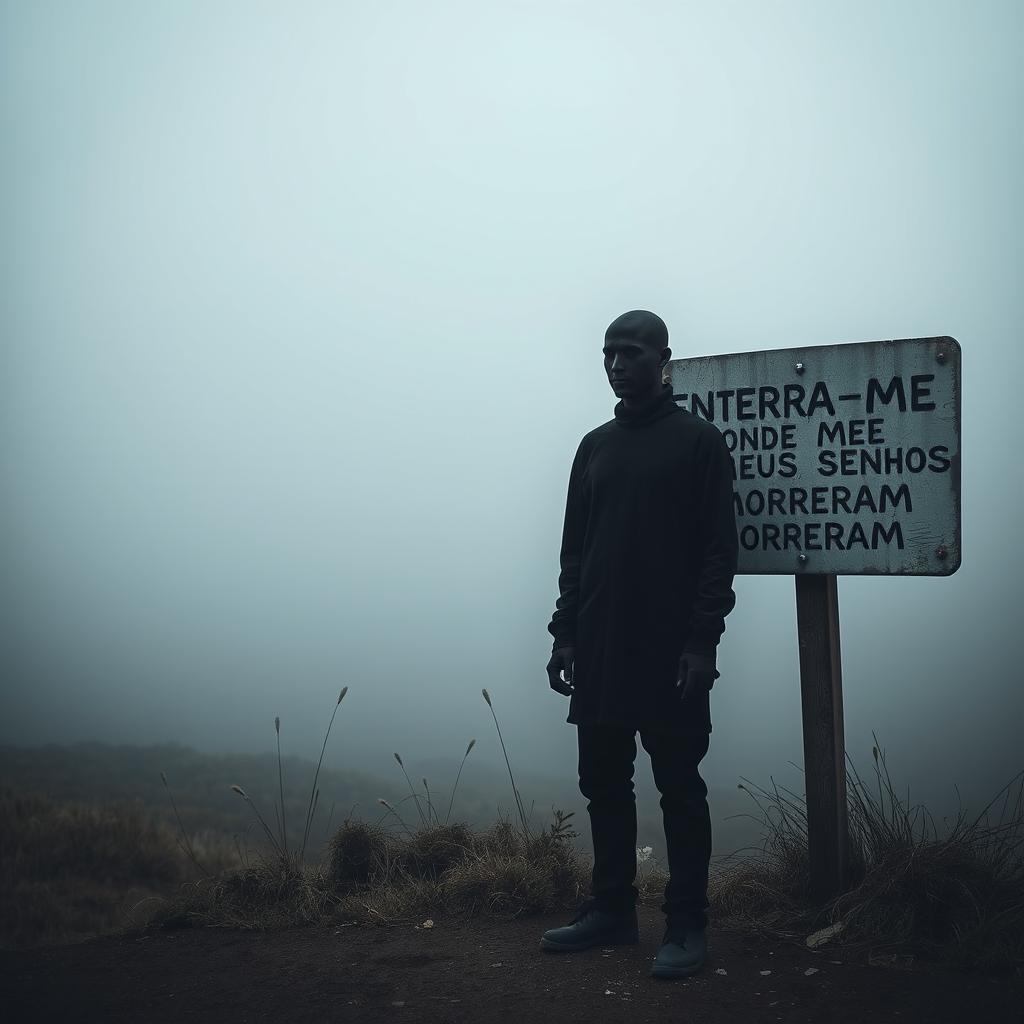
<point x="647" y="560"/>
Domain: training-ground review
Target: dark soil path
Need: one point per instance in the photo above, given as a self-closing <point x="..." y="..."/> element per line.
<point x="476" y="970"/>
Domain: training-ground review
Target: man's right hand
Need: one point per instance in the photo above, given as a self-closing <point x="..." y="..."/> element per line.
<point x="561" y="660"/>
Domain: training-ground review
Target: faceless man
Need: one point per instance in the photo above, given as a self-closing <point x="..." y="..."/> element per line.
<point x="647" y="560"/>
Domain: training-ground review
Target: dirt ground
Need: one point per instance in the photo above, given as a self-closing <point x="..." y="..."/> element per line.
<point x="477" y="970"/>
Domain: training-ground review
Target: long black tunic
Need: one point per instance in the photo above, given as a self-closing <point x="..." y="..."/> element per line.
<point x="647" y="561"/>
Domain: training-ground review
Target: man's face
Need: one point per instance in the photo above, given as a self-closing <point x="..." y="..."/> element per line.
<point x="633" y="368"/>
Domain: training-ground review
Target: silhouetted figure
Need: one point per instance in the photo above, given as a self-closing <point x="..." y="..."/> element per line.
<point x="647" y="561"/>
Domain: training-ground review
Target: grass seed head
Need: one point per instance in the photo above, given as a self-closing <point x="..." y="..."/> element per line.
<point x="487" y="696"/>
<point x="472" y="744"/>
<point x="398" y="759"/>
<point x="277" y="726"/>
<point x="240" y="792"/>
<point x="341" y="696"/>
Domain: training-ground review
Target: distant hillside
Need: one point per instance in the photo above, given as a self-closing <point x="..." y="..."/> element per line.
<point x="201" y="785"/>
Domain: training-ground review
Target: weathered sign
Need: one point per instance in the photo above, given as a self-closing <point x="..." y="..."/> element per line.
<point x="846" y="457"/>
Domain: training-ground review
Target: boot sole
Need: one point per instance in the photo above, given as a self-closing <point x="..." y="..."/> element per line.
<point x="604" y="940"/>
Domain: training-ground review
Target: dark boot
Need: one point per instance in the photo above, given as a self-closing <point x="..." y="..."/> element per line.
<point x="683" y="951"/>
<point x="593" y="927"/>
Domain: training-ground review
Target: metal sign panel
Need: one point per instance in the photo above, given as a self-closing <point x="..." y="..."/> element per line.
<point x="846" y="458"/>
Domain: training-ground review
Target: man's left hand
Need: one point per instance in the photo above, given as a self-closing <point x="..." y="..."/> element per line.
<point x="696" y="674"/>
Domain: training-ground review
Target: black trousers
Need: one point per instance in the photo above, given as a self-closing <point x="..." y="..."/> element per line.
<point x="607" y="757"/>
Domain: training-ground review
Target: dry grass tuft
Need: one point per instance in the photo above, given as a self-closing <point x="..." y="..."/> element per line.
<point x="433" y="850"/>
<point x="272" y="893"/>
<point x="374" y="876"/>
<point x="358" y="855"/>
<point x="956" y="899"/>
<point x="71" y="870"/>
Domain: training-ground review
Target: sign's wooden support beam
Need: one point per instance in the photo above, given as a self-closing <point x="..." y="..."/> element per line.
<point x="821" y="693"/>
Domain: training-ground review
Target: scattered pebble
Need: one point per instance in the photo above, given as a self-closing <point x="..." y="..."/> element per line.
<point x="499" y="964"/>
<point x="763" y="973"/>
<point x="823" y="935"/>
<point x="811" y="970"/>
<point x="608" y="992"/>
<point x="721" y="970"/>
<point x="429" y="923"/>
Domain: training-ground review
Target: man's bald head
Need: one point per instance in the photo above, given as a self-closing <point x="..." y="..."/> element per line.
<point x="639" y="325"/>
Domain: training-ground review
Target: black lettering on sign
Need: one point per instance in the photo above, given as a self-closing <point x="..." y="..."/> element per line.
<point x="871" y="460"/>
<point x="749" y="537"/>
<point x="943" y="461"/>
<point x="698" y="408"/>
<point x="834" y="433"/>
<point x="857" y="536"/>
<point x="725" y="396"/>
<point x="820" y="399"/>
<point x="916" y="459"/>
<point x="893" y="390"/>
<point x="787" y="464"/>
<point x="815" y="535"/>
<point x="762" y="438"/>
<point x="885" y="461"/>
<point x="794" y="399"/>
<point x="879" y="533"/>
<point x="767" y="398"/>
<point x="744" y="401"/>
<point x="919" y="393"/>
<point x="848" y="433"/>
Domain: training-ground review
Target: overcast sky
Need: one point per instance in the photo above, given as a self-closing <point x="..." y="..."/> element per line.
<point x="302" y="313"/>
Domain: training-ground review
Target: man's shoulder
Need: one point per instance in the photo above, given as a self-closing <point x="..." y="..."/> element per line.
<point x="683" y="422"/>
<point x="603" y="430"/>
<point x="697" y="425"/>
<point x="596" y="435"/>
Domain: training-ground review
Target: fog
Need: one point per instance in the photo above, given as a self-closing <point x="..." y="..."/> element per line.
<point x="302" y="315"/>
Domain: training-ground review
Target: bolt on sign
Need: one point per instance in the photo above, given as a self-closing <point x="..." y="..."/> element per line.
<point x="846" y="458"/>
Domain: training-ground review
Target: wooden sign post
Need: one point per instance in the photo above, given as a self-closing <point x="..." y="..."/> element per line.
<point x="821" y="698"/>
<point x="846" y="461"/>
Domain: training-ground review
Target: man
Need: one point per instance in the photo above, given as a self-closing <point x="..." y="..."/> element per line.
<point x="647" y="561"/>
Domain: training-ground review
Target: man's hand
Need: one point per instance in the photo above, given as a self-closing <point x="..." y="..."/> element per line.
<point x="696" y="673"/>
<point x="562" y="659"/>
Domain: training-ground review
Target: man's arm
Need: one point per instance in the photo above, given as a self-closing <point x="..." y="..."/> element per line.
<point x="717" y="544"/>
<point x="563" y="622"/>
